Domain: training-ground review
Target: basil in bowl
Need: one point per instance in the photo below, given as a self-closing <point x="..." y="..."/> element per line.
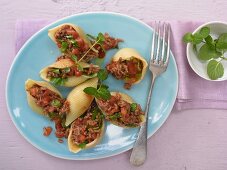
<point x="207" y="50"/>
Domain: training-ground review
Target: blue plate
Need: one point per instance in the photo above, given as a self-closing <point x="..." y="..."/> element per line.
<point x="39" y="51"/>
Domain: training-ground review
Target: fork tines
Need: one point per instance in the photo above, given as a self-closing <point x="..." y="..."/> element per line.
<point x="160" y="50"/>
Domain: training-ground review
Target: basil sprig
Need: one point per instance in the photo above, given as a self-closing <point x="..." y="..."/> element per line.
<point x="102" y="91"/>
<point x="98" y="40"/>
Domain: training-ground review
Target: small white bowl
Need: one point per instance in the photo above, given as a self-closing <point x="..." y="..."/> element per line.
<point x="200" y="67"/>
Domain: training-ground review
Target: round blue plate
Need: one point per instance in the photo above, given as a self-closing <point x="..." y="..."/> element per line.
<point x="39" y="51"/>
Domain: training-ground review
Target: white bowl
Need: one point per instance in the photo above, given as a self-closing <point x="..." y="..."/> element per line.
<point x="200" y="67"/>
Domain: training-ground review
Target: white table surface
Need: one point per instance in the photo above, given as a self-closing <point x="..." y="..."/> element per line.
<point x="189" y="140"/>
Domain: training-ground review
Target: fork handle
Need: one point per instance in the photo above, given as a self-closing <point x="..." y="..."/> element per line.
<point x="139" y="152"/>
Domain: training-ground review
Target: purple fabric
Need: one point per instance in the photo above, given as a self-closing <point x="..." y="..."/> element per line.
<point x="194" y="92"/>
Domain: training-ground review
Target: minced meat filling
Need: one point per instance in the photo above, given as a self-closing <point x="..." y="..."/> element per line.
<point x="64" y="56"/>
<point x="121" y="111"/>
<point x="128" y="70"/>
<point x="109" y="43"/>
<point x="69" y="41"/>
<point x="61" y="131"/>
<point x="47" y="99"/>
<point x="87" y="128"/>
<point x="71" y="71"/>
<point x="61" y="72"/>
<point x="90" y="70"/>
<point x="65" y="108"/>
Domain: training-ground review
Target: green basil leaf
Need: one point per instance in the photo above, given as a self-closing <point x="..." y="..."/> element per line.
<point x="102" y="74"/>
<point x="188" y="37"/>
<point x="63" y="123"/>
<point x="90" y="91"/>
<point x="58" y="81"/>
<point x="67" y="70"/>
<point x="101" y="46"/>
<point x="222" y="42"/>
<point x="60" y="40"/>
<point x="56" y="103"/>
<point x="104" y="86"/>
<point x="210" y="42"/>
<point x="207" y="53"/>
<point x="204" y="32"/>
<point x="102" y="116"/>
<point x="52" y="115"/>
<point x="100" y="39"/>
<point x="91" y="36"/>
<point x="74" y="43"/>
<point x="195" y="48"/>
<point x="64" y="46"/>
<point x="55" y="80"/>
<point x="63" y="80"/>
<point x="95" y="112"/>
<point x="74" y="58"/>
<point x="115" y="116"/>
<point x="215" y="70"/>
<point x="133" y="107"/>
<point x="104" y="93"/>
<point x="79" y="67"/>
<point x="197" y="38"/>
<point x="56" y="70"/>
<point x="209" y="39"/>
<point x="82" y="145"/>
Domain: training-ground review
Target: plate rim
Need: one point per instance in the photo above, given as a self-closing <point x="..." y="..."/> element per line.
<point x="34" y="35"/>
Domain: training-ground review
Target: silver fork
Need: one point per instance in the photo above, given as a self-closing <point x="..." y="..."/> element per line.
<point x="160" y="52"/>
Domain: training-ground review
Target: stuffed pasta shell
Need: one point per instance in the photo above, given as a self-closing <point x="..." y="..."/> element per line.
<point x="87" y="130"/>
<point x="66" y="73"/>
<point x="121" y="110"/>
<point x="77" y="101"/>
<point x="128" y="65"/>
<point x="70" y="39"/>
<point x="43" y="98"/>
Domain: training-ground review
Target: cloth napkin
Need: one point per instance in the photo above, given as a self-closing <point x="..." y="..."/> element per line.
<point x="194" y="92"/>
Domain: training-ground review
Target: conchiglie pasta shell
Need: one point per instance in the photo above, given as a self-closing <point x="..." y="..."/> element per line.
<point x="63" y="63"/>
<point x="128" y="99"/>
<point x="51" y="32"/>
<point x="31" y="100"/>
<point x="75" y="149"/>
<point x="126" y="54"/>
<point x="79" y="101"/>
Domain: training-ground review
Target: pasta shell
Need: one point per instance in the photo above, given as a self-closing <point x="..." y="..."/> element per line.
<point x="126" y="54"/>
<point x="31" y="100"/>
<point x="128" y="99"/>
<point x="51" y="32"/>
<point x="79" y="101"/>
<point x="71" y="81"/>
<point x="75" y="149"/>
